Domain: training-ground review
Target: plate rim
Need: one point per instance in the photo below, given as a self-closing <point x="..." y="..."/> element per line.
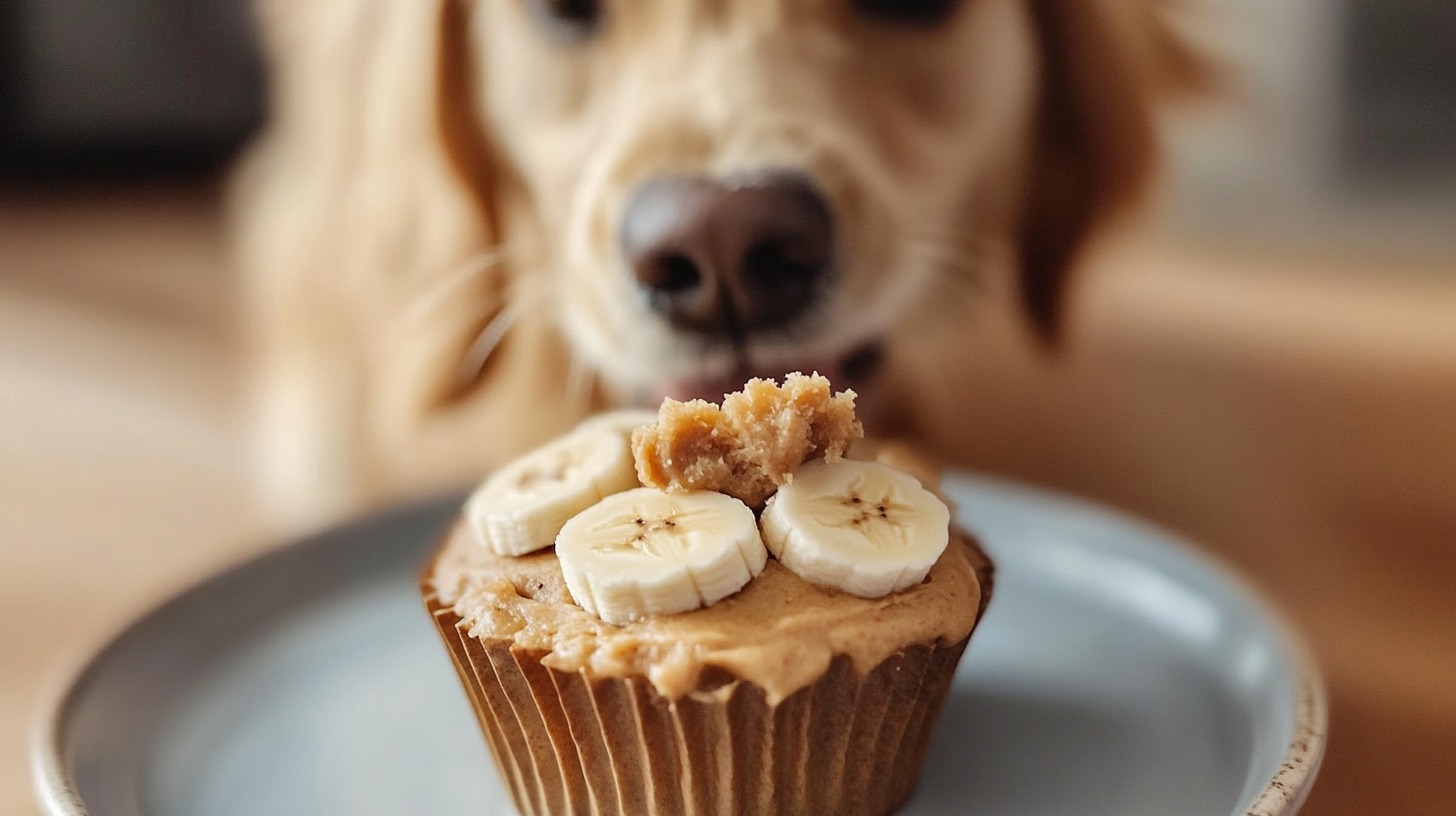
<point x="1282" y="795"/>
<point x="54" y="786"/>
<point x="1286" y="790"/>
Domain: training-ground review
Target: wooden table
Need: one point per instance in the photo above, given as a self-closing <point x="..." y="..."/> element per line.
<point x="1296" y="417"/>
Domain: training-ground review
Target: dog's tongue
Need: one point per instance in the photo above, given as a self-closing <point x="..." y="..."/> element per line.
<point x="712" y="389"/>
<point x="706" y="389"/>
<point x="855" y="370"/>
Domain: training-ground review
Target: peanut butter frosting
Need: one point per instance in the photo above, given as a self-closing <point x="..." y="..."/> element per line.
<point x="779" y="632"/>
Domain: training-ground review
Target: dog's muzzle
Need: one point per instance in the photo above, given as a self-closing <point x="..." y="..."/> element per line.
<point x="727" y="258"/>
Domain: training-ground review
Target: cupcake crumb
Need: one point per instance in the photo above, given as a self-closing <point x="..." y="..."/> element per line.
<point x="750" y="445"/>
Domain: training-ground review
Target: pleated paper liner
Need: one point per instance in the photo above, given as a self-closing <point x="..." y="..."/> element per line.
<point x="569" y="743"/>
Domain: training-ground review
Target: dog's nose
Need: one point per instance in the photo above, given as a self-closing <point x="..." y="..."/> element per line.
<point x="726" y="256"/>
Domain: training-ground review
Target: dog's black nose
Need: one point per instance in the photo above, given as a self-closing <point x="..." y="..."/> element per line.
<point x="729" y="256"/>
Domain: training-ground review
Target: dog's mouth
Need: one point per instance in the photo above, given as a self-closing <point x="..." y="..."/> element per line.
<point x="749" y="276"/>
<point x="856" y="369"/>
<point x="725" y="277"/>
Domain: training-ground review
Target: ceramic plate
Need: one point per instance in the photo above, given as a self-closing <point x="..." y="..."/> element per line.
<point x="1116" y="672"/>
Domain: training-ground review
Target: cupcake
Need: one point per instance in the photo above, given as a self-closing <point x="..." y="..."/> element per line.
<point x="715" y="613"/>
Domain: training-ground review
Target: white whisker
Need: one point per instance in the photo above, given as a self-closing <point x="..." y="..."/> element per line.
<point x="478" y="354"/>
<point x="424" y="304"/>
<point x="578" y="383"/>
<point x="956" y="282"/>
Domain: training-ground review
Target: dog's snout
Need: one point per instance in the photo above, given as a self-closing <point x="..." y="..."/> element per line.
<point x="729" y="256"/>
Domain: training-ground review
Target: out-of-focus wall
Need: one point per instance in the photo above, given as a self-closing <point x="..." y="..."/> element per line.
<point x="1338" y="131"/>
<point x="139" y="88"/>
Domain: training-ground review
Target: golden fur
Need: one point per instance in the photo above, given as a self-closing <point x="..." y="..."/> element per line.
<point x="427" y="226"/>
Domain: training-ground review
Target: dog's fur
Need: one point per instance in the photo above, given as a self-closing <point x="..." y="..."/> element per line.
<point x="427" y="228"/>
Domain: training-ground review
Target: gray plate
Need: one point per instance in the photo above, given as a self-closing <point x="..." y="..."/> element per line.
<point x="1116" y="673"/>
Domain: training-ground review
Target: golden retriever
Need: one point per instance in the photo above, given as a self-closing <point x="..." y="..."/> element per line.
<point x="471" y="222"/>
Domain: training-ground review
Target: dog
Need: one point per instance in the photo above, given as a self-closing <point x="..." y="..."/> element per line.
<point x="469" y="223"/>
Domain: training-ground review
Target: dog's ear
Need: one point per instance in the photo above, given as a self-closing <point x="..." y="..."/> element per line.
<point x="362" y="222"/>
<point x="1106" y="68"/>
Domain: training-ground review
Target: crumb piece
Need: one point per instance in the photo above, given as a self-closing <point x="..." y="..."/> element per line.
<point x="752" y="444"/>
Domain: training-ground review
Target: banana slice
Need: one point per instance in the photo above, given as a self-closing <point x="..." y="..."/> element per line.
<point x="861" y="527"/>
<point x="646" y="552"/>
<point x="521" y="508"/>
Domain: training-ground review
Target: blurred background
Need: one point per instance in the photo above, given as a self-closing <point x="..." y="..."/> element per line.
<point x="1267" y="364"/>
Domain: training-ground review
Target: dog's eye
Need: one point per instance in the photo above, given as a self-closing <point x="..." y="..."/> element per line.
<point x="908" y="12"/>
<point x="567" y="20"/>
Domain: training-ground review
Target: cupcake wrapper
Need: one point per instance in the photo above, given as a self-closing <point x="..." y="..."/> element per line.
<point x="567" y="743"/>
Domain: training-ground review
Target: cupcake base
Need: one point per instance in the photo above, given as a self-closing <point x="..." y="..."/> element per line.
<point x="567" y="743"/>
